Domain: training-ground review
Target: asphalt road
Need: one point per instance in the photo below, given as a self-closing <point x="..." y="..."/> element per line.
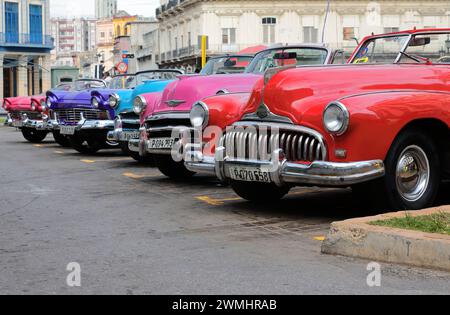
<point x="134" y="232"/>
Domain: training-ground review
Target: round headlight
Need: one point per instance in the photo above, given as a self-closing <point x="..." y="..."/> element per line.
<point x="139" y="105"/>
<point x="114" y="100"/>
<point x="95" y="102"/>
<point x="199" y="115"/>
<point x="49" y="102"/>
<point x="43" y="106"/>
<point x="336" y="118"/>
<point x="33" y="106"/>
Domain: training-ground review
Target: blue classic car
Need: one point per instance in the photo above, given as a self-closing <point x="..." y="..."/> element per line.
<point x="83" y="113"/>
<point x="127" y="122"/>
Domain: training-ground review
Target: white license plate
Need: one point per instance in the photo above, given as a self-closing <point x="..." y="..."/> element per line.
<point x="161" y="143"/>
<point x="17" y="123"/>
<point x="250" y="174"/>
<point x="67" y="130"/>
<point x="129" y="135"/>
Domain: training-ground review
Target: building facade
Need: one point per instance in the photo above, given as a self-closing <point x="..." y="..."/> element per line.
<point x="72" y="37"/>
<point x="105" y="9"/>
<point x="25" y="45"/>
<point x="143" y="41"/>
<point x="232" y="25"/>
<point x="105" y="44"/>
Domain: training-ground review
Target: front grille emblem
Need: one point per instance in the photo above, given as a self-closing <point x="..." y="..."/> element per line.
<point x="175" y="103"/>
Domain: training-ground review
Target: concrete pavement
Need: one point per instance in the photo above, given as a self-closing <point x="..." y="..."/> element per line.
<point x="135" y="232"/>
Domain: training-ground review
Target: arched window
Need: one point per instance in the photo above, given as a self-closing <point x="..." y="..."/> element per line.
<point x="269" y="24"/>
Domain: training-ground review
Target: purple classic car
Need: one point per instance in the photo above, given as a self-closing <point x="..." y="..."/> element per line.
<point x="162" y="112"/>
<point x="83" y="112"/>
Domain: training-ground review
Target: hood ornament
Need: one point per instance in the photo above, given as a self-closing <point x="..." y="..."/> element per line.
<point x="175" y="103"/>
<point x="263" y="111"/>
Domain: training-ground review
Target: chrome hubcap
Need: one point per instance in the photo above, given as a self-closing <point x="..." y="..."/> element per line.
<point x="413" y="173"/>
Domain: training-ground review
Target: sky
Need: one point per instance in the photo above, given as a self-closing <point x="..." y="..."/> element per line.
<point x="86" y="8"/>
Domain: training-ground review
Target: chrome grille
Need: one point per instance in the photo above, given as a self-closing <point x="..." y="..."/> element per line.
<point x="258" y="144"/>
<point x="17" y="115"/>
<point x="73" y="115"/>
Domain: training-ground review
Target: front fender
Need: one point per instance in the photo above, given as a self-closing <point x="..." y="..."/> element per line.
<point x="226" y="109"/>
<point x="152" y="99"/>
<point x="376" y="119"/>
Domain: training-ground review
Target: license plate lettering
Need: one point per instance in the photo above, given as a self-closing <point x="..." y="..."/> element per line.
<point x="67" y="130"/>
<point x="162" y="143"/>
<point x="250" y="174"/>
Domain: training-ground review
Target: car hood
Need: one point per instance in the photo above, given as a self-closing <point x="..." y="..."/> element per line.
<point x="21" y="103"/>
<point x="127" y="96"/>
<point x="291" y="93"/>
<point x="70" y="99"/>
<point x="183" y="93"/>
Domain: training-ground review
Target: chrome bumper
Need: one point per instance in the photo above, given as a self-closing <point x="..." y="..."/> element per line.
<point x="84" y="125"/>
<point x="118" y="134"/>
<point x="319" y="173"/>
<point x="135" y="146"/>
<point x="8" y="122"/>
<point x="198" y="163"/>
<point x="25" y="122"/>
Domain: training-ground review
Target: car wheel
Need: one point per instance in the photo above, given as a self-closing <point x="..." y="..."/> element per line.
<point x="259" y="192"/>
<point x="412" y="171"/>
<point x="60" y="139"/>
<point x="33" y="135"/>
<point x="86" y="145"/>
<point x="172" y="169"/>
<point x="111" y="145"/>
<point x="148" y="159"/>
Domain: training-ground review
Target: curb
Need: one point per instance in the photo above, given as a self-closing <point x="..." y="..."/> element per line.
<point x="356" y="238"/>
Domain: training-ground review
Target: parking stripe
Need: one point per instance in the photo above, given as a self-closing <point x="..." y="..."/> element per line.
<point x="216" y="202"/>
<point x="319" y="238"/>
<point x="105" y="160"/>
<point x="137" y="176"/>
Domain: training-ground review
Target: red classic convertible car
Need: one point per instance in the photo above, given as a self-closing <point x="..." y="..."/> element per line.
<point x="380" y="125"/>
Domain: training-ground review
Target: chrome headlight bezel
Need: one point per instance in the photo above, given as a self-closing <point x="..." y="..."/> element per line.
<point x="114" y="100"/>
<point x="199" y="115"/>
<point x="33" y="106"/>
<point x="139" y="104"/>
<point x="336" y="118"/>
<point x="95" y="102"/>
<point x="43" y="105"/>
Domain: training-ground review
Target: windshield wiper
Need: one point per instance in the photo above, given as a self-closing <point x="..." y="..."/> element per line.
<point x="417" y="58"/>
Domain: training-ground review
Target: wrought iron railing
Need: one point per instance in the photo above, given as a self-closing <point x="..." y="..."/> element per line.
<point x="29" y="40"/>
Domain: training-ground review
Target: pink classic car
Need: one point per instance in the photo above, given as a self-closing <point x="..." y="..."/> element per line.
<point x="162" y="113"/>
<point x="27" y="113"/>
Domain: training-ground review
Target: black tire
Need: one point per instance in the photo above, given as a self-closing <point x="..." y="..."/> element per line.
<point x="89" y="145"/>
<point x="418" y="149"/>
<point x="148" y="159"/>
<point x="33" y="135"/>
<point x="259" y="192"/>
<point x="172" y="169"/>
<point x="60" y="139"/>
<point x="424" y="144"/>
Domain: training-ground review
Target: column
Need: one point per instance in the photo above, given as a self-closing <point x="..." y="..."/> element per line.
<point x="1" y="77"/>
<point x="36" y="75"/>
<point x="22" y="76"/>
<point x="46" y="73"/>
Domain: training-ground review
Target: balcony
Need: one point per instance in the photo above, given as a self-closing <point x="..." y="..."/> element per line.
<point x="26" y="40"/>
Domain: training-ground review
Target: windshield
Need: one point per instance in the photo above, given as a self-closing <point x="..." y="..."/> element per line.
<point x="156" y="75"/>
<point x="89" y="84"/>
<point x="226" y="65"/>
<point x="421" y="48"/>
<point x="287" y="56"/>
<point x="123" y="82"/>
<point x="431" y="47"/>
